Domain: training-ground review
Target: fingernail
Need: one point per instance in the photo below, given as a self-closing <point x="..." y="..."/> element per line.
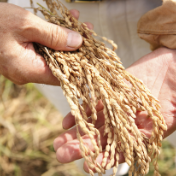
<point x="74" y="39"/>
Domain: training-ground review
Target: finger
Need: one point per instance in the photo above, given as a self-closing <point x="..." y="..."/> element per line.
<point x="45" y="76"/>
<point x="98" y="108"/>
<point x="31" y="69"/>
<point x="64" y="138"/>
<point x="69" y="120"/>
<point x="70" y="151"/>
<point x="71" y="134"/>
<point x="36" y="69"/>
<point x="99" y="160"/>
<point x="75" y="13"/>
<point x="51" y="35"/>
<point x="89" y="25"/>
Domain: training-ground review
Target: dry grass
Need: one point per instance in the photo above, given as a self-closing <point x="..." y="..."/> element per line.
<point x="28" y="126"/>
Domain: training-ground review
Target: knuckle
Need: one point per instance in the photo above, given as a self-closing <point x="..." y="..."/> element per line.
<point x="53" y="35"/>
<point x="25" y="23"/>
<point x="56" y="37"/>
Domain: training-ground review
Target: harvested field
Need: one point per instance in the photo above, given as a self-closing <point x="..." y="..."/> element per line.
<point x="28" y="126"/>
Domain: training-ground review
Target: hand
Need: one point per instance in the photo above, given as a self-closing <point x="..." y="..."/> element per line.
<point x="18" y="30"/>
<point x="158" y="71"/>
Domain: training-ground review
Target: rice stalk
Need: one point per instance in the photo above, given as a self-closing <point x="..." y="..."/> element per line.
<point x="93" y="73"/>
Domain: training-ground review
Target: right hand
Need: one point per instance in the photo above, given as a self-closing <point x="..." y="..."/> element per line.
<point x="18" y="30"/>
<point x="157" y="70"/>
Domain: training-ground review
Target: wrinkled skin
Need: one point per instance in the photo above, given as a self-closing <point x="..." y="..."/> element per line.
<point x="158" y="72"/>
<point x="19" y="28"/>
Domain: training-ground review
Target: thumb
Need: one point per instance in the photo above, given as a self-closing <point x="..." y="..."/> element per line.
<point x="53" y="36"/>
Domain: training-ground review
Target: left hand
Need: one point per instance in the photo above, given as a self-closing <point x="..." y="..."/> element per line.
<point x="158" y="72"/>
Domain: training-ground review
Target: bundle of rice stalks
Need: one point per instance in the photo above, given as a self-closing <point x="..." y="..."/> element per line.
<point x="94" y="73"/>
<point x="28" y="126"/>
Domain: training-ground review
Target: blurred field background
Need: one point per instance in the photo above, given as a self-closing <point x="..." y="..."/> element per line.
<point x="28" y="126"/>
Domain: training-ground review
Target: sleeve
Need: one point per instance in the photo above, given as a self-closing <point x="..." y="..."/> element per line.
<point x="158" y="26"/>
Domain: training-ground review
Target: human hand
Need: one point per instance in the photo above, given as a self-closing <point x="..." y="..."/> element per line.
<point x="18" y="30"/>
<point x="157" y="70"/>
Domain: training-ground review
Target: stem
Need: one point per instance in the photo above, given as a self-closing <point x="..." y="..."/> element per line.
<point x="44" y="8"/>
